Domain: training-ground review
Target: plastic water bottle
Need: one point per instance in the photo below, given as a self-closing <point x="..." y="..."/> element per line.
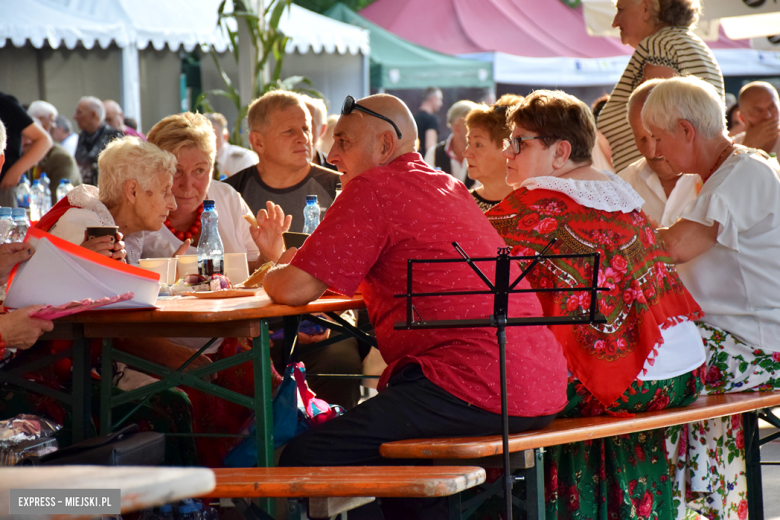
<point x="63" y="189"/>
<point x="211" y="252"/>
<point x="311" y="214"/>
<point x="22" y="193"/>
<point x="46" y="185"/>
<point x="6" y="224"/>
<point x="36" y="201"/>
<point x="21" y="225"/>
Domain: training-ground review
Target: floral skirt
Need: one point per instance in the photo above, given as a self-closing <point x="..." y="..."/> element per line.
<point x="625" y="476"/>
<point x="710" y="460"/>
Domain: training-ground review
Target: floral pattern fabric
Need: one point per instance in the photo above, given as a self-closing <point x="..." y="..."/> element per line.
<point x="645" y="294"/>
<point x="711" y="454"/>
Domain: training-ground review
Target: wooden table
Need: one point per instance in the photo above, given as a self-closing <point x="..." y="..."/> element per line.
<point x="141" y="487"/>
<point x="185" y="317"/>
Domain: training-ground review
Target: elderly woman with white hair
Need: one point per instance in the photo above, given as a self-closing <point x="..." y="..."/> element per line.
<point x="133" y="193"/>
<point x="725" y="247"/>
<point x="660" y="31"/>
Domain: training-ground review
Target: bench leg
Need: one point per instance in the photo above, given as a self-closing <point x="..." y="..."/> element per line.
<point x="753" y="464"/>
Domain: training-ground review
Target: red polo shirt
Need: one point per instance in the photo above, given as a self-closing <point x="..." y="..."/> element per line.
<point x="406" y="210"/>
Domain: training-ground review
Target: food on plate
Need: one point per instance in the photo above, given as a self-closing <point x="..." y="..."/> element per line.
<point x="256" y="278"/>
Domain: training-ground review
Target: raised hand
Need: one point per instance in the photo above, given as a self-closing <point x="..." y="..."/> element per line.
<point x="271" y="223"/>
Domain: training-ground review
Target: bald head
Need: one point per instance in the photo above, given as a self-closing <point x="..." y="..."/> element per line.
<point x="758" y="102"/>
<point x="115" y="117"/>
<point x="363" y="141"/>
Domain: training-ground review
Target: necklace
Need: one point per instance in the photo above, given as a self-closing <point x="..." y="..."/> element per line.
<point x="193" y="231"/>
<point x="720" y="157"/>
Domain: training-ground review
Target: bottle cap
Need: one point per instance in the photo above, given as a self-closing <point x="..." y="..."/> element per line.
<point x="311" y="199"/>
<point x="18" y="212"/>
<point x="43" y="175"/>
<point x="5" y="212"/>
<point x="63" y="181"/>
<point x="208" y="204"/>
<point x="36" y="182"/>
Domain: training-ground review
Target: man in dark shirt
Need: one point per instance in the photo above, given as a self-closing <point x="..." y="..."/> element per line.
<point x="280" y="129"/>
<point x="19" y="124"/>
<point x="95" y="135"/>
<point x="426" y="121"/>
<point x="280" y="134"/>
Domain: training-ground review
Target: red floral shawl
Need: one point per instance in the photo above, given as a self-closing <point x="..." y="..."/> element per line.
<point x="645" y="295"/>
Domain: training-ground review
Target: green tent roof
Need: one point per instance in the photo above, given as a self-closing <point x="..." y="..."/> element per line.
<point x="399" y="64"/>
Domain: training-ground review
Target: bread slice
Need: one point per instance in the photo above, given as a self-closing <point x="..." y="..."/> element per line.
<point x="256" y="278"/>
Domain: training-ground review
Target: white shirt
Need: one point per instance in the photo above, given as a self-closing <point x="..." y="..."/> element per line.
<point x="231" y="159"/>
<point x="775" y="149"/>
<point x="233" y="229"/>
<point x="460" y="169"/>
<point x="737" y="281"/>
<point x="70" y="143"/>
<point x="647" y="184"/>
<point x="682" y="349"/>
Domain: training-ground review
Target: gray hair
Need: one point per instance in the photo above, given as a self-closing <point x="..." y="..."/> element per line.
<point x="42" y="109"/>
<point x="2" y="138"/>
<point x="460" y="109"/>
<point x="675" y="13"/>
<point x="64" y="123"/>
<point x="688" y="98"/>
<point x="96" y="105"/>
<point x="130" y="158"/>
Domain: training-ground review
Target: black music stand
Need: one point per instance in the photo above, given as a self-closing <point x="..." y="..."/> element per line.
<point x="501" y="290"/>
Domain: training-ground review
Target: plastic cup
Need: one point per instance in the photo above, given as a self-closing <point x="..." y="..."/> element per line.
<point x="187" y="264"/>
<point x="172" y="263"/>
<point x="156" y="265"/>
<point x="236" y="268"/>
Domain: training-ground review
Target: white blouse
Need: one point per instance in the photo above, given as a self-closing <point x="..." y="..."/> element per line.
<point x="737" y="281"/>
<point x="682" y="349"/>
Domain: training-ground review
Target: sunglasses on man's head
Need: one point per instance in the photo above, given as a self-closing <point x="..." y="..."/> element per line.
<point x="513" y="143"/>
<point x="350" y="104"/>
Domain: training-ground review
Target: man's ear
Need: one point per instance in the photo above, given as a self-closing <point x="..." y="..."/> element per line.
<point x="386" y="146"/>
<point x="562" y="153"/>
<point x="2" y="160"/>
<point x="132" y="190"/>
<point x="739" y="116"/>
<point x="256" y="142"/>
<point x="689" y="131"/>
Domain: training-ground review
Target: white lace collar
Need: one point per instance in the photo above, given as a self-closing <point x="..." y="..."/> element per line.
<point x="87" y="197"/>
<point x="613" y="195"/>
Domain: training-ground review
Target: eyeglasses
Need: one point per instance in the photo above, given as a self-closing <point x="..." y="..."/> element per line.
<point x="350" y="104"/>
<point x="514" y="142"/>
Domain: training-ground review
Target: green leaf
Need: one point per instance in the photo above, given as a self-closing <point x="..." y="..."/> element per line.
<point x="743" y="366"/>
<point x="277" y="13"/>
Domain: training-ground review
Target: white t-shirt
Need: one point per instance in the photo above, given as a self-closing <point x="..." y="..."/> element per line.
<point x="647" y="184"/>
<point x="682" y="349"/>
<point x="233" y="228"/>
<point x="737" y="281"/>
<point x="231" y="159"/>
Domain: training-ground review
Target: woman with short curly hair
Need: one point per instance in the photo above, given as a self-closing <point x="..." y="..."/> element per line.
<point x="665" y="46"/>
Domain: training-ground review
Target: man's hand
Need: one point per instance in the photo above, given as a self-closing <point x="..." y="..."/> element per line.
<point x="762" y="136"/>
<point x="102" y="245"/>
<point x="271" y="223"/>
<point x="21" y="331"/>
<point x="12" y="254"/>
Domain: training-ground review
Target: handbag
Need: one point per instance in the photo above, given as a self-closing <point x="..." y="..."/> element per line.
<point x="295" y="410"/>
<point x="127" y="447"/>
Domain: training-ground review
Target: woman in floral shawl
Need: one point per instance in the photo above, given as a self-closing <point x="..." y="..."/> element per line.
<point x="648" y="356"/>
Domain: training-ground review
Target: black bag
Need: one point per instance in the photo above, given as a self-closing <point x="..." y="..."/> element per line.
<point x="127" y="447"/>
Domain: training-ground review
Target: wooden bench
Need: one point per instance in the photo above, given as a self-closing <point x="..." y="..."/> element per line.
<point x="332" y="490"/>
<point x="527" y="452"/>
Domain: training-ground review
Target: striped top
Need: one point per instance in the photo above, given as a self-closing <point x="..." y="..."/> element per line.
<point x="674" y="47"/>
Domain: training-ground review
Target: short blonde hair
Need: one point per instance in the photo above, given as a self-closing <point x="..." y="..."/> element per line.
<point x="460" y="109"/>
<point x="130" y="158"/>
<point x="260" y="110"/>
<point x="688" y="98"/>
<point x="492" y="118"/>
<point x="182" y="130"/>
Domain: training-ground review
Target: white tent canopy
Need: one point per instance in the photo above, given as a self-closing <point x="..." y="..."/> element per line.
<point x="134" y="24"/>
